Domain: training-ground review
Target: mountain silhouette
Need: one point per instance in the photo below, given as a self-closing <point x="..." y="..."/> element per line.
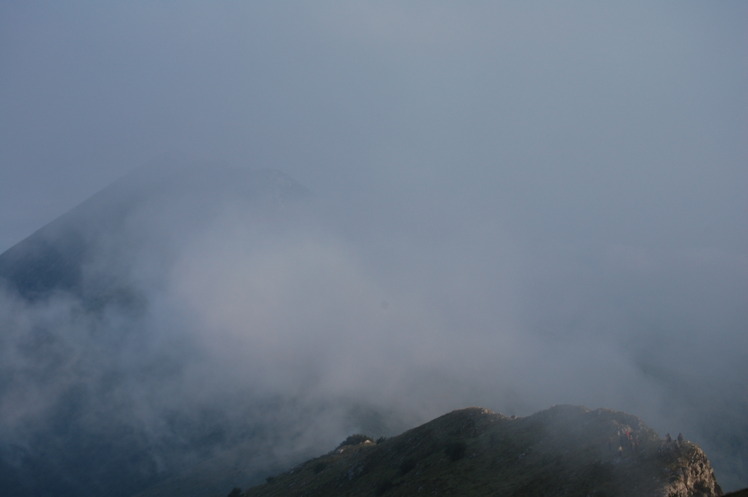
<point x="55" y="257"/>
<point x="74" y="352"/>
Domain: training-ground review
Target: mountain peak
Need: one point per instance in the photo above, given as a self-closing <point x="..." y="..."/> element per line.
<point x="143" y="206"/>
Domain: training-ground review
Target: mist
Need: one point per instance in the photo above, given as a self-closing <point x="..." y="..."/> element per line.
<point x="510" y="207"/>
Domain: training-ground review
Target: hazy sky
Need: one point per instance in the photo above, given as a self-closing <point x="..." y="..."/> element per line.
<point x="581" y="121"/>
<point x="537" y="193"/>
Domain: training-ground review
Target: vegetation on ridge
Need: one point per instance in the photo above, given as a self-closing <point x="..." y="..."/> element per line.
<point x="564" y="450"/>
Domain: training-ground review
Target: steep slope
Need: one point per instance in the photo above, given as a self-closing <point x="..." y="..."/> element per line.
<point x="564" y="450"/>
<point x="140" y="211"/>
<point x="86" y="381"/>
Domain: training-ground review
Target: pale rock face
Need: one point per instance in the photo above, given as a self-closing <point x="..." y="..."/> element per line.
<point x="695" y="477"/>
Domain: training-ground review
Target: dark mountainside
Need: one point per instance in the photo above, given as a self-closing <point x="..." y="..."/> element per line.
<point x="57" y="257"/>
<point x="74" y="347"/>
<point x="565" y="450"/>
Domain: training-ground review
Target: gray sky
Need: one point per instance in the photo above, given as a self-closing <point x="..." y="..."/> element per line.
<point x="571" y="175"/>
<point x="577" y="121"/>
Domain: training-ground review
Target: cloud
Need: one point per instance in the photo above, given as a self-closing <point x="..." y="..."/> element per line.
<point x="515" y="205"/>
<point x="241" y="304"/>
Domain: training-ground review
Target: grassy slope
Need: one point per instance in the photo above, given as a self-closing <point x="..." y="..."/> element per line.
<point x="562" y="451"/>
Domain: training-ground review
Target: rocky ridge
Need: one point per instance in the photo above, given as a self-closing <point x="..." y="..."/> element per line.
<point x="565" y="450"/>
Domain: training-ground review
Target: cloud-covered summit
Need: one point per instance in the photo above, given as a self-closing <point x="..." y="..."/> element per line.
<point x="515" y="205"/>
<point x="213" y="307"/>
